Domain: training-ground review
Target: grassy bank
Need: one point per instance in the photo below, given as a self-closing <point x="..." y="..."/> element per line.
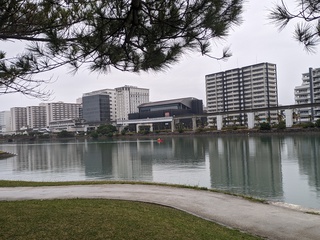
<point x="104" y="219"/>
<point x="5" y="154"/>
<point x="9" y="183"/>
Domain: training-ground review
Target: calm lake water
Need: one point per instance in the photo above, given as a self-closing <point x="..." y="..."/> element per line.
<point x="278" y="168"/>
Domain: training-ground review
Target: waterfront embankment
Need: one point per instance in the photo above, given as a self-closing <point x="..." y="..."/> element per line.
<point x="5" y="154"/>
<point x="157" y="134"/>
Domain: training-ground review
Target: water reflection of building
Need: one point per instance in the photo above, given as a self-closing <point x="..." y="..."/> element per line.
<point x="308" y="154"/>
<point x="97" y="160"/>
<point x="134" y="160"/>
<point x="181" y="150"/>
<point x="246" y="165"/>
<point x="123" y="160"/>
<point x="59" y="157"/>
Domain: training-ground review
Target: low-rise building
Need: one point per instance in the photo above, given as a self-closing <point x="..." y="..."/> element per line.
<point x="185" y="108"/>
<point x="167" y="108"/>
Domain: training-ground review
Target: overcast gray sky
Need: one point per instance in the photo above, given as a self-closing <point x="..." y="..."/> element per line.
<point x="255" y="41"/>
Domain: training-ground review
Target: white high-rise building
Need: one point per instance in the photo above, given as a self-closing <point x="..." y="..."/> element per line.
<point x="128" y="100"/>
<point x="308" y="92"/>
<point x="249" y="87"/>
<point x="18" y="118"/>
<point x="5" y="121"/>
<point x="58" y="111"/>
<point x="37" y="117"/>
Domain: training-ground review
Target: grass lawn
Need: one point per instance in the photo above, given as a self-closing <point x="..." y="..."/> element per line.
<point x="9" y="183"/>
<point x="104" y="219"/>
<point x="101" y="219"/>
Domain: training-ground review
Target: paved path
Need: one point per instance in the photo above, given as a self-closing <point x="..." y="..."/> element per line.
<point x="269" y="221"/>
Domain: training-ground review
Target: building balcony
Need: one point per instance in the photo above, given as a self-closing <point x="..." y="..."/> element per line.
<point x="316" y="80"/>
<point x="302" y="96"/>
<point x="317" y="97"/>
<point x="297" y="94"/>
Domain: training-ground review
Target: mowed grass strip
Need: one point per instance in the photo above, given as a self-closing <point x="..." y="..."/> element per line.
<point x="13" y="183"/>
<point x="104" y="219"/>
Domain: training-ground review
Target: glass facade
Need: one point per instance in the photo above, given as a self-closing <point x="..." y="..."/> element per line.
<point x="96" y="108"/>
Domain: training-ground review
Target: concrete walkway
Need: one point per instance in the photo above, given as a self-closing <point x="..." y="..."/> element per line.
<point x="265" y="220"/>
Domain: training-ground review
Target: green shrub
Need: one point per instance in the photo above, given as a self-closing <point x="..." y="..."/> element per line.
<point x="44" y="136"/>
<point x="94" y="135"/>
<point x="180" y="130"/>
<point x="106" y="129"/>
<point x="200" y="130"/>
<point x="281" y="125"/>
<point x="65" y="134"/>
<point x="308" y="125"/>
<point x="144" y="131"/>
<point x="265" y="126"/>
<point x="317" y="123"/>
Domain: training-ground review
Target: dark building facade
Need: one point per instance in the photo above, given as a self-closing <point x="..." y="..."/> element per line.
<point x="167" y="108"/>
<point x="171" y="108"/>
<point x="96" y="108"/>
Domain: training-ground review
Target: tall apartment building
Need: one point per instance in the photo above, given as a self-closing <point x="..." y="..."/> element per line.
<point x="37" y="116"/>
<point x="128" y="100"/>
<point x="18" y="118"/>
<point x="58" y="111"/>
<point x="100" y="106"/>
<point x="243" y="88"/>
<point x="5" y="121"/>
<point x="308" y="92"/>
